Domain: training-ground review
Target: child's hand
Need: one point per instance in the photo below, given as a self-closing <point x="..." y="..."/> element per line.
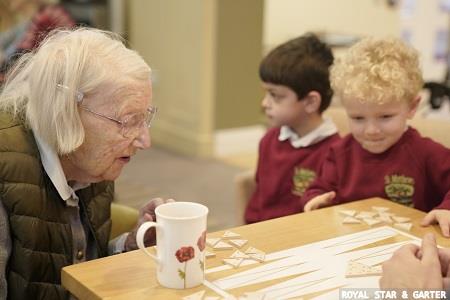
<point x="441" y="216"/>
<point x="320" y="201"/>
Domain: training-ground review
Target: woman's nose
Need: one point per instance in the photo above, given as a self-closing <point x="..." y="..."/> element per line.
<point x="143" y="140"/>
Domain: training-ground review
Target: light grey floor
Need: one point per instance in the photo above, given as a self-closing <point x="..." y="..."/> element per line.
<point x="158" y="173"/>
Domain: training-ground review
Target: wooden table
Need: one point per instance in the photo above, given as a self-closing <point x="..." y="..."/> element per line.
<point x="132" y="275"/>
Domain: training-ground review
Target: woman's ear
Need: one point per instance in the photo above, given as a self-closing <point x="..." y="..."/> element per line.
<point x="312" y="102"/>
<point x="413" y="106"/>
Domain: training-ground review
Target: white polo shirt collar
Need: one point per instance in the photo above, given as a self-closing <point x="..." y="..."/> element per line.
<point x="324" y="130"/>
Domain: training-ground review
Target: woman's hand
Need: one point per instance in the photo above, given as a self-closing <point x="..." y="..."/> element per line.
<point x="146" y="214"/>
<point x="415" y="267"/>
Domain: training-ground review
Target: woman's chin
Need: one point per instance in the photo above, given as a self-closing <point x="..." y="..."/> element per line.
<point x="110" y="175"/>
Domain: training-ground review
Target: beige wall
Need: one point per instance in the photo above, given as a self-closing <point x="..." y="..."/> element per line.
<point x="421" y="22"/>
<point x="177" y="39"/>
<point x="286" y="19"/>
<point x="239" y="52"/>
<point x="204" y="55"/>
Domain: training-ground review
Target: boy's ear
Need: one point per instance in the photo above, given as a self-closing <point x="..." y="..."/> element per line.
<point x="413" y="106"/>
<point x="312" y="102"/>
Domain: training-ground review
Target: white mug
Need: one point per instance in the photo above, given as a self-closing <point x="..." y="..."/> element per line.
<point x="180" y="243"/>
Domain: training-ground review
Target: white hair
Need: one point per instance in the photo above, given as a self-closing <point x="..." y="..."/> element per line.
<point x="82" y="59"/>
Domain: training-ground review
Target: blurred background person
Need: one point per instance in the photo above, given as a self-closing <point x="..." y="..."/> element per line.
<point x="25" y="24"/>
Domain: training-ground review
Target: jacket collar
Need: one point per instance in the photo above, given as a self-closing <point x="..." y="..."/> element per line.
<point x="53" y="168"/>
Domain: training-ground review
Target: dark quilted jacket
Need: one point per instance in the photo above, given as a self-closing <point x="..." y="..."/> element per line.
<point x="39" y="227"/>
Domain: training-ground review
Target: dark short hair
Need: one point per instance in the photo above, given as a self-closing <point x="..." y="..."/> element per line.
<point x="302" y="64"/>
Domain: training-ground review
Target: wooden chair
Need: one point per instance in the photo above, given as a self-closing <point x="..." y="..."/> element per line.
<point x="124" y="219"/>
<point x="244" y="183"/>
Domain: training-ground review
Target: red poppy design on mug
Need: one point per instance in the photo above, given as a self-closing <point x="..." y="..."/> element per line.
<point x="201" y="243"/>
<point x="184" y="254"/>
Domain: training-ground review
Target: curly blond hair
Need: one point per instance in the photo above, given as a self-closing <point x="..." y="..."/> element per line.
<point x="378" y="71"/>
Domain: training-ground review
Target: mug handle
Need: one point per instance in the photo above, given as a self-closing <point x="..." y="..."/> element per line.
<point x="140" y="238"/>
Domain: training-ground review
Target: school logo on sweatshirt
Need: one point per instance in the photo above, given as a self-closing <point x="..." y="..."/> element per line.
<point x="302" y="179"/>
<point x="399" y="188"/>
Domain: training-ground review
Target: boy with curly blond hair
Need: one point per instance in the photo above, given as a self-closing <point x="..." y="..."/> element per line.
<point x="378" y="82"/>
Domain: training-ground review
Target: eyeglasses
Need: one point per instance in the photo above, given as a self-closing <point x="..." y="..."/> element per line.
<point x="131" y="125"/>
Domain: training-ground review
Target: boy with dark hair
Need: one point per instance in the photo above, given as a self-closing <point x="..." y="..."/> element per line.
<point x="295" y="76"/>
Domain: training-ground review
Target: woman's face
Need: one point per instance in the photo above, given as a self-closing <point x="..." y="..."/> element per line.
<point x="105" y="150"/>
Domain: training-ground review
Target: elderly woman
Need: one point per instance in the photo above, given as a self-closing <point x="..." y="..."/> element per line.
<point x="72" y="114"/>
